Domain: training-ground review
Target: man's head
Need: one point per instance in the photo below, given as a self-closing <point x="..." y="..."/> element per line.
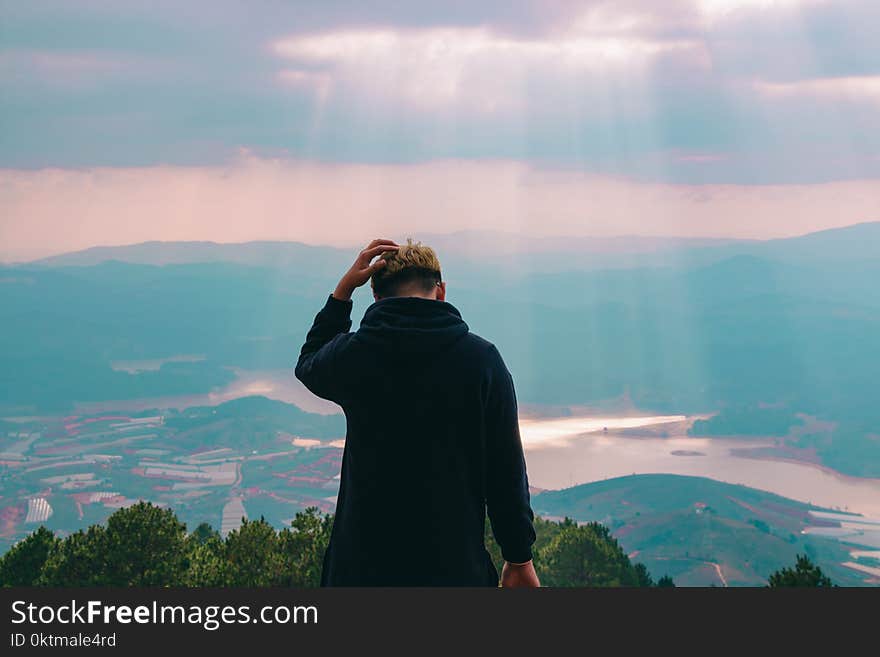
<point x="413" y="270"/>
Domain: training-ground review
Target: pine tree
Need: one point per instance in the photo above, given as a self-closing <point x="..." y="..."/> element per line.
<point x="23" y="563"/>
<point x="805" y="573"/>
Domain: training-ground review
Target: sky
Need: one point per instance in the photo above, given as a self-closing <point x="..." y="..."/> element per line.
<point x="335" y="122"/>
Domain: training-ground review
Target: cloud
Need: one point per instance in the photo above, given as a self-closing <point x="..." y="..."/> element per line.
<point x="126" y="121"/>
<point x="471" y="68"/>
<point x="54" y="210"/>
<point x="774" y="91"/>
<point x="724" y="9"/>
<point x="855" y="89"/>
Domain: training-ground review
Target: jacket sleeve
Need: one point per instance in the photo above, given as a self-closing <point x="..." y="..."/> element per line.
<point x="318" y="365"/>
<point x="507" y="484"/>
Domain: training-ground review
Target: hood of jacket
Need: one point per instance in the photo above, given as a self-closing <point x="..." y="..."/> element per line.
<point x="411" y="326"/>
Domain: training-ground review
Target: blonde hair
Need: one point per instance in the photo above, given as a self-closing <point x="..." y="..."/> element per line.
<point x="412" y="262"/>
<point x="410" y="255"/>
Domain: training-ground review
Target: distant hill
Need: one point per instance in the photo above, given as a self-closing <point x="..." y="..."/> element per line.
<point x="514" y="251"/>
<point x="317" y="259"/>
<point x="850" y="243"/>
<point x="791" y="323"/>
<point x="700" y="531"/>
<point x="463" y="254"/>
<point x="479" y="242"/>
<point x="249" y="422"/>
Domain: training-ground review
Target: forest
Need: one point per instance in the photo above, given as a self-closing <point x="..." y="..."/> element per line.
<point x="146" y="545"/>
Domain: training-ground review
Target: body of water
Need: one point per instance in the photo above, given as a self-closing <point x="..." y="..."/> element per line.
<point x="563" y="452"/>
<point x="566" y="451"/>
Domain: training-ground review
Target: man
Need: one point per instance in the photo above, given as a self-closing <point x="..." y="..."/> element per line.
<point x="432" y="436"/>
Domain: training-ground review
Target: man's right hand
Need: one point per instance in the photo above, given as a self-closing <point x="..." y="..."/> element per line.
<point x="361" y="270"/>
<point x="519" y="575"/>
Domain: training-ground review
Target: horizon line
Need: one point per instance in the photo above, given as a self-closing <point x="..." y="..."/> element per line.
<point x="339" y="247"/>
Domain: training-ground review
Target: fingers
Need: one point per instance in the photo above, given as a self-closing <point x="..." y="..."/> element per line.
<point x="369" y="254"/>
<point x="376" y="266"/>
<point x="380" y="241"/>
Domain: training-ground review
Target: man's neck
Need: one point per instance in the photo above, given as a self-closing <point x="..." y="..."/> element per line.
<point x="417" y="295"/>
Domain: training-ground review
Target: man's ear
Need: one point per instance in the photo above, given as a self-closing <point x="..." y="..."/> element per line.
<point x="441" y="291"/>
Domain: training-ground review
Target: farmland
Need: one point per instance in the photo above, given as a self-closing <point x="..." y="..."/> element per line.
<point x="251" y="457"/>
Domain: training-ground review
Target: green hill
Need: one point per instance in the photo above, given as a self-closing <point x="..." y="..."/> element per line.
<point x="698" y="530"/>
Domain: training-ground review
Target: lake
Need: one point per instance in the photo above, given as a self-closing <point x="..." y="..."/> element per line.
<point x="563" y="452"/>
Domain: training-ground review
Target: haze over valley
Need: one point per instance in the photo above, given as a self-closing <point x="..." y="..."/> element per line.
<point x="163" y="371"/>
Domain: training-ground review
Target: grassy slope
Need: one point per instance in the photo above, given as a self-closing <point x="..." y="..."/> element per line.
<point x="662" y="519"/>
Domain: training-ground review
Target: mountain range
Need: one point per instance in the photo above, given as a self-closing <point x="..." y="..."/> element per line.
<point x="692" y="327"/>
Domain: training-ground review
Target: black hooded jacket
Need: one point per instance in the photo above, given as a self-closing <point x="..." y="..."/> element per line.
<point x="432" y="442"/>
